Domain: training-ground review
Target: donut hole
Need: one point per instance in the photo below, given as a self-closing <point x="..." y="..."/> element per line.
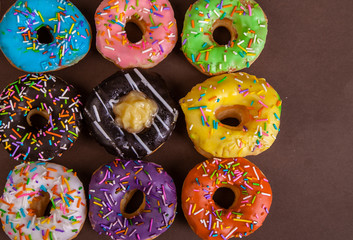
<point x="223" y="32"/>
<point x="44" y="35"/>
<point x="41" y="204"/>
<point x="134" y="30"/>
<point x="38" y="119"/>
<point x="47" y="211"/>
<point x="233" y="117"/>
<point x="221" y="35"/>
<point x="231" y="121"/>
<point x="224" y="197"/>
<point x="133" y="203"/>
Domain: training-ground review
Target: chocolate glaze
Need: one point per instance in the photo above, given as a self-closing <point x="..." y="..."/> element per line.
<point x="112" y="181"/>
<point x="100" y="118"/>
<point x="46" y="93"/>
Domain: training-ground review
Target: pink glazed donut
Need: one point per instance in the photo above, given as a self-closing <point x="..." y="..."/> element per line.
<point x="155" y="19"/>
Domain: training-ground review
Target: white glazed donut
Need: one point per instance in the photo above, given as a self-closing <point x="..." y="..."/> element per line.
<point x="30" y="189"/>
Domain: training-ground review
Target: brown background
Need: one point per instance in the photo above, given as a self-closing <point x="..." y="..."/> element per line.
<point x="308" y="60"/>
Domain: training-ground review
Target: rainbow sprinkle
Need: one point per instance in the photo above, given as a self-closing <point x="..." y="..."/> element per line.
<point x="27" y="183"/>
<point x="108" y="188"/>
<point x="20" y="41"/>
<point x="247" y="25"/>
<point x="36" y="91"/>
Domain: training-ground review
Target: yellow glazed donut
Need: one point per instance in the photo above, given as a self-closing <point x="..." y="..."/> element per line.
<point x="253" y="105"/>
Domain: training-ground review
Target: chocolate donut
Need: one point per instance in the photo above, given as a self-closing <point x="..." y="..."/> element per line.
<point x="111" y="190"/>
<point x="40" y="117"/>
<point x="115" y="105"/>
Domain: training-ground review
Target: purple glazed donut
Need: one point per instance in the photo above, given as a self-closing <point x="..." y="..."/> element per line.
<point x="113" y="186"/>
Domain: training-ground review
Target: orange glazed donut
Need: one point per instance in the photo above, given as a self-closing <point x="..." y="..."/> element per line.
<point x="246" y="213"/>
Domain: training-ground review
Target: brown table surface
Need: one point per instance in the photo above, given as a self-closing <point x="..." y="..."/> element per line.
<point x="308" y="60"/>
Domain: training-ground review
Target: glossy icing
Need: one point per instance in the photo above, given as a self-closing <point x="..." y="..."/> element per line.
<point x="206" y="55"/>
<point x="100" y="118"/>
<point x="261" y="116"/>
<point x="46" y="93"/>
<point x="26" y="183"/>
<point x="159" y="27"/>
<point x="18" y="35"/>
<point x="109" y="185"/>
<point x="253" y="198"/>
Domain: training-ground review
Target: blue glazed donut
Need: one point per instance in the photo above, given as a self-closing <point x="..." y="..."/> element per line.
<point x="44" y="35"/>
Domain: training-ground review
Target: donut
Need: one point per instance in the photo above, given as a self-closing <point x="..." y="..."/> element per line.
<point x="156" y="22"/>
<point x="42" y="201"/>
<point x="40" y="117"/>
<point x="44" y="35"/>
<point x="113" y="187"/>
<point x="251" y="192"/>
<point x="131" y="113"/>
<point x="251" y="104"/>
<point x="243" y="19"/>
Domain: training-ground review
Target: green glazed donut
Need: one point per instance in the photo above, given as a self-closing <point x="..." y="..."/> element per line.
<point x="246" y="23"/>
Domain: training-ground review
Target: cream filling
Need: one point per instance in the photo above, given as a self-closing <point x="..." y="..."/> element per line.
<point x="135" y="112"/>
